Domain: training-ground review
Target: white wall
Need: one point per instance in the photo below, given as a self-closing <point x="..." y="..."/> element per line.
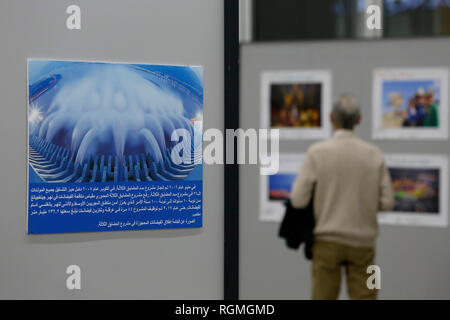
<point x="176" y="264"/>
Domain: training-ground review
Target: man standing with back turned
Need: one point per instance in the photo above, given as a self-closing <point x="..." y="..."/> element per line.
<point x="350" y="183"/>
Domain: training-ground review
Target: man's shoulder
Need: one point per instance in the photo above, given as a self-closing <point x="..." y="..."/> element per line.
<point x="327" y="145"/>
<point x="320" y="146"/>
<point x="369" y="146"/>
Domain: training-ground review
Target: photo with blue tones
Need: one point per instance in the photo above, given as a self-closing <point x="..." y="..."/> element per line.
<point x="113" y="146"/>
<point x="280" y="185"/>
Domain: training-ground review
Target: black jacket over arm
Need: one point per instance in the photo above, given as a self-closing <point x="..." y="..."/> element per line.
<point x="298" y="227"/>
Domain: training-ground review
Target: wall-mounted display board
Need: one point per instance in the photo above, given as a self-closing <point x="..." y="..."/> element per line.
<point x="420" y="184"/>
<point x="296" y="102"/>
<point x="275" y="189"/>
<point x="410" y="103"/>
<point x="103" y="150"/>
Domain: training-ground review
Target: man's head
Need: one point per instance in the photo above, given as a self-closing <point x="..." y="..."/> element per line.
<point x="346" y="113"/>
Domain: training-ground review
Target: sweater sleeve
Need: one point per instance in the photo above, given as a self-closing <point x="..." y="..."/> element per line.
<point x="387" y="200"/>
<point x="304" y="183"/>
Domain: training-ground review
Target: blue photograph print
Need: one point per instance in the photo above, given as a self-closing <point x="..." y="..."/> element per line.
<point x="280" y="185"/>
<point x="113" y="146"/>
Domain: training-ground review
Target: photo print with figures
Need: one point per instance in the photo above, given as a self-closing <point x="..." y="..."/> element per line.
<point x="410" y="104"/>
<point x="275" y="189"/>
<point x="100" y="142"/>
<point x="297" y="103"/>
<point x="420" y="184"/>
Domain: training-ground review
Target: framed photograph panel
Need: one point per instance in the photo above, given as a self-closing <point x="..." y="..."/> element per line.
<point x="275" y="189"/>
<point x="296" y="102"/>
<point x="100" y="148"/>
<point x="410" y="104"/>
<point x="420" y="184"/>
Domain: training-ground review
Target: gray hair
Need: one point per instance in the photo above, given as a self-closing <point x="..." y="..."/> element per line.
<point x="346" y="111"/>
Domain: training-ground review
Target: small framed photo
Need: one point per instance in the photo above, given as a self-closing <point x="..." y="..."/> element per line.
<point x="297" y="102"/>
<point x="410" y="104"/>
<point x="420" y="184"/>
<point x="275" y="189"/>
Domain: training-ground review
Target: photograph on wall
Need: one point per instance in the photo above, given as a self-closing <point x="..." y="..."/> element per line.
<point x="275" y="189"/>
<point x="420" y="185"/>
<point x="113" y="146"/>
<point x="297" y="103"/>
<point x="410" y="104"/>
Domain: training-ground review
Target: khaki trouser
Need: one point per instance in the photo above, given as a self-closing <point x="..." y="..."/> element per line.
<point x="328" y="258"/>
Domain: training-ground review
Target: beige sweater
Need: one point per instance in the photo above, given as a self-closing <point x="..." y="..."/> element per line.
<point x="351" y="184"/>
